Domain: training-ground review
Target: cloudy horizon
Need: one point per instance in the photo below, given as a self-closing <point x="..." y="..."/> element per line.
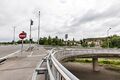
<point x="78" y="18"/>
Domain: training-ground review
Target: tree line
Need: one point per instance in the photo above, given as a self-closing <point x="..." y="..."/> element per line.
<point x="111" y="42"/>
<point x="108" y="42"/>
<point x="56" y="41"/>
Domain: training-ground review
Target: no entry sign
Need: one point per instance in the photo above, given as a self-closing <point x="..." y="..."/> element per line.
<point x="22" y="35"/>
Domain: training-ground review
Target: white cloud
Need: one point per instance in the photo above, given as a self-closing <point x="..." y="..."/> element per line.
<point x="78" y="18"/>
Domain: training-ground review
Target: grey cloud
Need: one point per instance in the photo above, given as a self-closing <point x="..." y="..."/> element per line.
<point x="63" y="1"/>
<point x="113" y="22"/>
<point x="5" y="19"/>
<point x="78" y="23"/>
<point x="92" y="15"/>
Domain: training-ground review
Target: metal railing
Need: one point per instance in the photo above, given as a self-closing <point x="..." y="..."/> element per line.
<point x="56" y="71"/>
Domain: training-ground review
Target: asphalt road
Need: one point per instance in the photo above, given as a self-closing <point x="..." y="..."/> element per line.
<point x="22" y="66"/>
<point x="8" y="49"/>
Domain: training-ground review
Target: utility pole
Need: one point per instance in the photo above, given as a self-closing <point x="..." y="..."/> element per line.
<point x="39" y="28"/>
<point x="31" y="23"/>
<point x="14" y="34"/>
<point x="108" y="37"/>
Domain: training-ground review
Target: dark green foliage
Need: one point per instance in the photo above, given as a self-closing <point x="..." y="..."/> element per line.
<point x="56" y="41"/>
<point x="43" y="41"/>
<point x="104" y="43"/>
<point x="8" y="43"/>
<point x="105" y="62"/>
<point x="26" y="41"/>
<point x="92" y="44"/>
<point x="84" y="43"/>
<point x="114" y="42"/>
<point x="51" y="41"/>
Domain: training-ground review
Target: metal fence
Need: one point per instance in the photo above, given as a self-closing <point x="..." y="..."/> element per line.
<point x="56" y="71"/>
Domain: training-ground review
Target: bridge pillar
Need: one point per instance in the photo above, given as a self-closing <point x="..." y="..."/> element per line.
<point x="95" y="64"/>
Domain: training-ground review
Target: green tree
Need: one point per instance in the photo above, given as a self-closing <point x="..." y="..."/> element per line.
<point x="45" y="41"/>
<point x="92" y="44"/>
<point x="104" y="43"/>
<point x="114" y="42"/>
<point x="84" y="43"/>
<point x="73" y="42"/>
<point x="49" y="40"/>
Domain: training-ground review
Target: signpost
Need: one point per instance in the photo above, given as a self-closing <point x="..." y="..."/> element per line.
<point x="22" y="35"/>
<point x="66" y="36"/>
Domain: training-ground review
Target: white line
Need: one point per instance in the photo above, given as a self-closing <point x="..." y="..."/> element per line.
<point x="10" y="55"/>
<point x="30" y="54"/>
<point x="36" y="55"/>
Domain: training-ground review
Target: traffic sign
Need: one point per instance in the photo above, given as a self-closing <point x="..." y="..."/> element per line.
<point x="22" y="35"/>
<point x="66" y="36"/>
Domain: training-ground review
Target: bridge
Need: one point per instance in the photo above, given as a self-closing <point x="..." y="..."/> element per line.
<point x="54" y="70"/>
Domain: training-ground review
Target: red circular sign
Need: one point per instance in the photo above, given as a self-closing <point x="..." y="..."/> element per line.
<point x="22" y="35"/>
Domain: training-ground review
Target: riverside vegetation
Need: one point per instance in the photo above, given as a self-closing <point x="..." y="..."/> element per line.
<point x="107" y="63"/>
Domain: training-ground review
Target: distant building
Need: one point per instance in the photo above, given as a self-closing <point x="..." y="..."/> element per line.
<point x="96" y="41"/>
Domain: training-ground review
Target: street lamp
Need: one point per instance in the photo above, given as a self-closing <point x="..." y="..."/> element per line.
<point x="108" y="37"/>
<point x="31" y="23"/>
<point x="14" y="34"/>
<point x="39" y="28"/>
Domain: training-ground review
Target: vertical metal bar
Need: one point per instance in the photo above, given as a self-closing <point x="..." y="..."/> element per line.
<point x="39" y="28"/>
<point x="30" y="37"/>
<point x="22" y="47"/>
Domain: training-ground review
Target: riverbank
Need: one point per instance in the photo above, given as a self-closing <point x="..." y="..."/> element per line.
<point x="84" y="72"/>
<point x="107" y="63"/>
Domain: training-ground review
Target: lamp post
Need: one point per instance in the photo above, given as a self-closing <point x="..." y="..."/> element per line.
<point x="39" y="28"/>
<point x="14" y="34"/>
<point x="108" y="37"/>
<point x="31" y="23"/>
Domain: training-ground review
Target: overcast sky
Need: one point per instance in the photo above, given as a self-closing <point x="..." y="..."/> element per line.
<point x="78" y="18"/>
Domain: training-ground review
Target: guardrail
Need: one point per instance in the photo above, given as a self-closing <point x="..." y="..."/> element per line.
<point x="56" y="71"/>
<point x="88" y="52"/>
<point x="39" y="70"/>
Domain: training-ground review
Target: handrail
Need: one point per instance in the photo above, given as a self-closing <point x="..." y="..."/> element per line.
<point x="56" y="71"/>
<point x="67" y="75"/>
<point x="49" y="71"/>
<point x="34" y="77"/>
<point x="64" y="72"/>
<point x="60" y="71"/>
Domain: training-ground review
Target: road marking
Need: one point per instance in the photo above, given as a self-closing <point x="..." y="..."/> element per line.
<point x="5" y="57"/>
<point x="30" y="54"/>
<point x="36" y="55"/>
